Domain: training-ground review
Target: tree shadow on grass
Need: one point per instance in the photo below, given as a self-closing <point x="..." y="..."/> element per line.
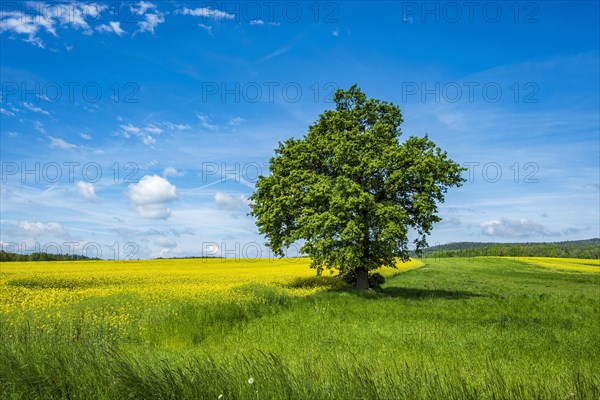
<point x="334" y="284"/>
<point x="329" y="282"/>
<point x="416" y="293"/>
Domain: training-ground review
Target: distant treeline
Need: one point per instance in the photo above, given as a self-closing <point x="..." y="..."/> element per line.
<point x="6" y="256"/>
<point x="185" y="258"/>
<point x="572" y="249"/>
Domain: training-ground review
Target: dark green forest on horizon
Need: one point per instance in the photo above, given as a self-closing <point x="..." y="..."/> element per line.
<point x="589" y="249"/>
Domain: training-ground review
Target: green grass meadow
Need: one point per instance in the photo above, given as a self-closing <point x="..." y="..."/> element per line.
<point x="457" y="328"/>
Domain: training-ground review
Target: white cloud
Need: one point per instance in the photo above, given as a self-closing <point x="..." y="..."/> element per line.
<point x="142" y="7"/>
<point x="85" y="136"/>
<point x="179" y="127"/>
<point x="170" y="171"/>
<point x="39" y="127"/>
<point x="40" y="228"/>
<point x="60" y="143"/>
<point x="204" y="122"/>
<point x="257" y="22"/>
<point x="46" y="16"/>
<point x="229" y="202"/>
<point x="148" y="140"/>
<point x="520" y="228"/>
<point x="20" y="23"/>
<point x="207" y="28"/>
<point x="208" y="13"/>
<point x="150" y="196"/>
<point x="336" y="32"/>
<point x="112" y="27"/>
<point x="33" y="108"/>
<point x="130" y="129"/>
<point x="236" y="121"/>
<point x="151" y="22"/>
<point x="6" y="112"/>
<point x="153" y="129"/>
<point x="87" y="190"/>
<point x="75" y="14"/>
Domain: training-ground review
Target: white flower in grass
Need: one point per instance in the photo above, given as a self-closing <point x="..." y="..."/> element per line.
<point x="251" y="380"/>
<point x="220" y="397"/>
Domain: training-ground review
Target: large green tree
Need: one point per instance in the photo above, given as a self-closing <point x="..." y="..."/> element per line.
<point x="349" y="191"/>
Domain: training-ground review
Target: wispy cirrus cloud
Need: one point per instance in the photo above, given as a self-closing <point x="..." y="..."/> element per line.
<point x="34" y="108"/>
<point x="519" y="228"/>
<point x="207" y="13"/>
<point x="61" y="143"/>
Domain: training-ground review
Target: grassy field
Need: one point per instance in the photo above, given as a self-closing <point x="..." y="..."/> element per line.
<point x="476" y="328"/>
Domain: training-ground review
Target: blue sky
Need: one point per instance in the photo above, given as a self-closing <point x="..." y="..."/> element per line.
<point x="137" y="130"/>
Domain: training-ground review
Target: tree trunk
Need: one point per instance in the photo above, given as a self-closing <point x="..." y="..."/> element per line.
<point x="362" y="279"/>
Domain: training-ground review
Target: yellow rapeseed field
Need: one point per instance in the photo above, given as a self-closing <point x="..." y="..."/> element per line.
<point x="574" y="264"/>
<point x="110" y="294"/>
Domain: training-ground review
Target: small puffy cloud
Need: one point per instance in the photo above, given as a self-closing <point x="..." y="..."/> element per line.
<point x="229" y="202"/>
<point x="85" y="136"/>
<point x="148" y="140"/>
<point x="207" y="13"/>
<point x="130" y="129"/>
<point x="257" y="22"/>
<point x="170" y="171"/>
<point x="86" y="190"/>
<point x="151" y="195"/>
<point x="150" y="22"/>
<point x="112" y="27"/>
<point x="141" y="7"/>
<point x="152" y="189"/>
<point x="510" y="228"/>
<point x="336" y="32"/>
<point x="60" y="143"/>
<point x="40" y="228"/>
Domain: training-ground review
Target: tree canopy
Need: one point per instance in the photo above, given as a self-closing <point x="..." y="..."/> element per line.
<point x="349" y="190"/>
